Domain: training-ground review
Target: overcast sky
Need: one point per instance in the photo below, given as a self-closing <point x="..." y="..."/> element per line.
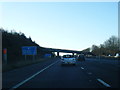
<point x="64" y="25"/>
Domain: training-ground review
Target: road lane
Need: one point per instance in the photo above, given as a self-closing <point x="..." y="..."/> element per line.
<point x="13" y="77"/>
<point x="29" y="78"/>
<point x="106" y="70"/>
<point x="89" y="74"/>
<point x="59" y="76"/>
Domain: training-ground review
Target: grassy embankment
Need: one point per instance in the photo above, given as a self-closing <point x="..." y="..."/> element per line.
<point x="22" y="63"/>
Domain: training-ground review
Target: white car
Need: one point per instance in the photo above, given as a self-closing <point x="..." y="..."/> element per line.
<point x="117" y="55"/>
<point x="68" y="59"/>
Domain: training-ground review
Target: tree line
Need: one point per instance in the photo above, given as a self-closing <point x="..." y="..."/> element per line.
<point x="109" y="47"/>
<point x="14" y="41"/>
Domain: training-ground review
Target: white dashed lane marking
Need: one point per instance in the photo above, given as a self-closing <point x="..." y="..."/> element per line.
<point x="101" y="81"/>
<point x="104" y="83"/>
<point x="82" y="68"/>
<point x="89" y="73"/>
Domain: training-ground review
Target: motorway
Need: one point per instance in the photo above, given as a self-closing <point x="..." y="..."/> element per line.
<point x="92" y="73"/>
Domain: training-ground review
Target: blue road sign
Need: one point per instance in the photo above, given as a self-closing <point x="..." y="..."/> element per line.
<point x="29" y="50"/>
<point x="48" y="55"/>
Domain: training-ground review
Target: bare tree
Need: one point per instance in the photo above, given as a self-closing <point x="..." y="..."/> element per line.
<point x="86" y="50"/>
<point x="95" y="49"/>
<point x="112" y="45"/>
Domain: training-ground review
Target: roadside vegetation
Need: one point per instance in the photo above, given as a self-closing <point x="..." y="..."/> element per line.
<point x="23" y="63"/>
<point x="13" y="42"/>
<point x="108" y="49"/>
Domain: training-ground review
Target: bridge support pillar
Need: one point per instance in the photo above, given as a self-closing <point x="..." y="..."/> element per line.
<point x="73" y="54"/>
<point x="57" y="54"/>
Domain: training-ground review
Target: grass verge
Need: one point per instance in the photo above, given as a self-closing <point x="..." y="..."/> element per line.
<point x="22" y="63"/>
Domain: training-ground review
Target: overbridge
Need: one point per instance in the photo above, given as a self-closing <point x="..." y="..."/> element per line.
<point x="67" y="51"/>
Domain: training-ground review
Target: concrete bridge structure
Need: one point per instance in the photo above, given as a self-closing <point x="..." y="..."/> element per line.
<point x="67" y="51"/>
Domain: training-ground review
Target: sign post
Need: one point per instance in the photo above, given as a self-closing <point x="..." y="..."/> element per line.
<point x="29" y="50"/>
<point x="33" y="57"/>
<point x="25" y="57"/>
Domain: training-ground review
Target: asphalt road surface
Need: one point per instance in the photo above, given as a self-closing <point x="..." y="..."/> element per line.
<point x="92" y="73"/>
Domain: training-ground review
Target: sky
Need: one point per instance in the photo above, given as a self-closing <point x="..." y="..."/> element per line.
<point x="63" y="25"/>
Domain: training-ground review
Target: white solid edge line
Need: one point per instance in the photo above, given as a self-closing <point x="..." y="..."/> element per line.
<point x="104" y="83"/>
<point x="19" y="84"/>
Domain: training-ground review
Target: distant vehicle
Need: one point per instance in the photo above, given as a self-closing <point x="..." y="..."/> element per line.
<point x="81" y="57"/>
<point x="117" y="55"/>
<point x="68" y="59"/>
